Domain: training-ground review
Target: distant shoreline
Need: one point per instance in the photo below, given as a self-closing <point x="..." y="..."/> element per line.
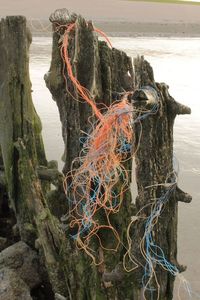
<point x="116" y="17"/>
<point x="131" y="29"/>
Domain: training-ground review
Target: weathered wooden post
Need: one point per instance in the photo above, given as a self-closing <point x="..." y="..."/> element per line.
<point x="18" y="118"/>
<point x="106" y="73"/>
<point x="23" y="151"/>
<point x="156" y="170"/>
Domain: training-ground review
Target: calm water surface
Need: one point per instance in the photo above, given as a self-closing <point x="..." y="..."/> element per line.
<point x="177" y="63"/>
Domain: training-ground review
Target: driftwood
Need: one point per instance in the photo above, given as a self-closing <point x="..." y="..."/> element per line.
<point x="18" y="118"/>
<point x="22" y="149"/>
<point x="154" y="165"/>
<point x="107" y="74"/>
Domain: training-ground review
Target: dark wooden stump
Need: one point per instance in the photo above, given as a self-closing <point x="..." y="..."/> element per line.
<point x="23" y="151"/>
<point x="107" y="74"/>
<point x="156" y="168"/>
<point x="18" y="118"/>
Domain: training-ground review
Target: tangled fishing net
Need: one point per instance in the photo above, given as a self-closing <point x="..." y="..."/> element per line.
<point x="93" y="184"/>
<point x="92" y="190"/>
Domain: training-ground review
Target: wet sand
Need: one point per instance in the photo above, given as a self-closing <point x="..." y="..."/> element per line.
<point x="116" y="17"/>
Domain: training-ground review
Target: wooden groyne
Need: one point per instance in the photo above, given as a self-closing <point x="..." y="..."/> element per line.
<point x="137" y="268"/>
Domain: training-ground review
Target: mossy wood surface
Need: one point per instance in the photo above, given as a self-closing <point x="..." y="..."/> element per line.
<point x="23" y="151"/>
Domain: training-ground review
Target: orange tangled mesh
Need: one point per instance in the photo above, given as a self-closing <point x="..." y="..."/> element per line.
<point x="83" y="92"/>
<point x="92" y="191"/>
<point x="93" y="184"/>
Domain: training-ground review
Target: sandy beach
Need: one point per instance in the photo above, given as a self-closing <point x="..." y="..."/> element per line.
<point x="116" y="17"/>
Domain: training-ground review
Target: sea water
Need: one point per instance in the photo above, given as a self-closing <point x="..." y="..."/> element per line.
<point x="176" y="61"/>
